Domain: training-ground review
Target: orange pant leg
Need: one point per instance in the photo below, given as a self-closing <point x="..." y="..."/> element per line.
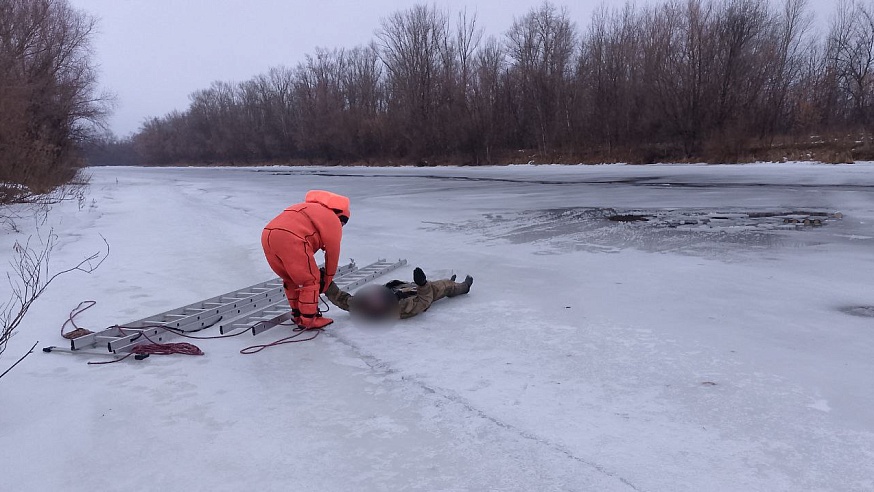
<point x="289" y="257"/>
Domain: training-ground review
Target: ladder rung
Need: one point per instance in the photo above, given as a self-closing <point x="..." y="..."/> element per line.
<point x="259" y="307"/>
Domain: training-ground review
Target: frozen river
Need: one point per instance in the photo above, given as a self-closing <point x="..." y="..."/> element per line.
<point x="653" y="328"/>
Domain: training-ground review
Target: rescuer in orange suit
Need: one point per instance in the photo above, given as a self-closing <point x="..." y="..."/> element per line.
<point x="291" y="239"/>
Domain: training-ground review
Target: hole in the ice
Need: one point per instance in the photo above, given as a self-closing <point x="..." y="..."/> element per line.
<point x="705" y="220"/>
<point x="861" y="311"/>
<point x="629" y="218"/>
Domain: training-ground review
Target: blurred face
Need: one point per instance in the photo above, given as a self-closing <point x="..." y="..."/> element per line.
<point x="375" y="304"/>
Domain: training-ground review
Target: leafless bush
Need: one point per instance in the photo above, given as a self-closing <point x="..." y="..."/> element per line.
<point x="31" y="275"/>
<point x="28" y="205"/>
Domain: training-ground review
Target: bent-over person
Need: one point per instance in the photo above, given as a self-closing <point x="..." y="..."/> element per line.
<point x="291" y="239"/>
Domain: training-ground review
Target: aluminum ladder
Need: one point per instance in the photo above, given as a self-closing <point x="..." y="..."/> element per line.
<point x="258" y="307"/>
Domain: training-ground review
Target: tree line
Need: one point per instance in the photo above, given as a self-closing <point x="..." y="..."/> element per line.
<point x="48" y="95"/>
<point x="719" y="80"/>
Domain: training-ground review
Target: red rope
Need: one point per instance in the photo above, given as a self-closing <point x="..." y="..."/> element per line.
<point x="77" y="330"/>
<point x="183" y="348"/>
<point x="254" y="349"/>
<point x="155" y="348"/>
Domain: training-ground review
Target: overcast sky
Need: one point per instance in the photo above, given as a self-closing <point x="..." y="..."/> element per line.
<point x="154" y="53"/>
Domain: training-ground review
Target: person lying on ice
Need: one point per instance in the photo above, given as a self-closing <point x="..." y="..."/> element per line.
<point x="291" y="239"/>
<point x="397" y="299"/>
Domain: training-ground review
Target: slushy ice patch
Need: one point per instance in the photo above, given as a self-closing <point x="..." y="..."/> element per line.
<point x="861" y="311"/>
<point x="696" y="231"/>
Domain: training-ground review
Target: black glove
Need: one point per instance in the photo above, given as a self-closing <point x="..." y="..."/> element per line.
<point x="322" y="279"/>
<point x="419" y="277"/>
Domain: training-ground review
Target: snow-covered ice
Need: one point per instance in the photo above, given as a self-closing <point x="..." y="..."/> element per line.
<point x="720" y="344"/>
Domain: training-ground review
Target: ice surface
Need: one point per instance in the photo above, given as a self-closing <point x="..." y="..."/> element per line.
<point x="716" y="345"/>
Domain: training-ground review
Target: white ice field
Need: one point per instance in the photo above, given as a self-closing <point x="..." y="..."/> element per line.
<point x="651" y="328"/>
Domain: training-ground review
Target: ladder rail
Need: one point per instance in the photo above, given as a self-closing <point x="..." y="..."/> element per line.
<point x="219" y="307"/>
<point x="359" y="277"/>
<point x="258" y="307"/>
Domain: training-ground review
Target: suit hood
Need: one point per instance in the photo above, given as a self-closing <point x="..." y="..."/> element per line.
<point x="338" y="203"/>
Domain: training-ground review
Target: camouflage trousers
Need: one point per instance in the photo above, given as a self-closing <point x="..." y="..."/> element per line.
<point x="448" y="288"/>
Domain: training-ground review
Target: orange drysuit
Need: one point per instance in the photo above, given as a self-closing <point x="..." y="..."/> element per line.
<point x="291" y="239"/>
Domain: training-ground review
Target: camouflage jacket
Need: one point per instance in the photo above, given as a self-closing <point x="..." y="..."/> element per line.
<point x="407" y="307"/>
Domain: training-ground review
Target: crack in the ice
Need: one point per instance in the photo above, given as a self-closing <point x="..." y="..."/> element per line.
<point x="633" y="181"/>
<point x="376" y="364"/>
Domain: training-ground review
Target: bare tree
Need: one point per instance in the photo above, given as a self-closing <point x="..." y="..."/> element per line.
<point x="609" y="93"/>
<point x="48" y="91"/>
<point x="851" y="49"/>
<point x="410" y="47"/>
<point x="542" y="45"/>
<point x="363" y="92"/>
<point x="31" y="275"/>
<point x="789" y="52"/>
<point x="488" y="102"/>
<point x="277" y="97"/>
<point x="332" y="100"/>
